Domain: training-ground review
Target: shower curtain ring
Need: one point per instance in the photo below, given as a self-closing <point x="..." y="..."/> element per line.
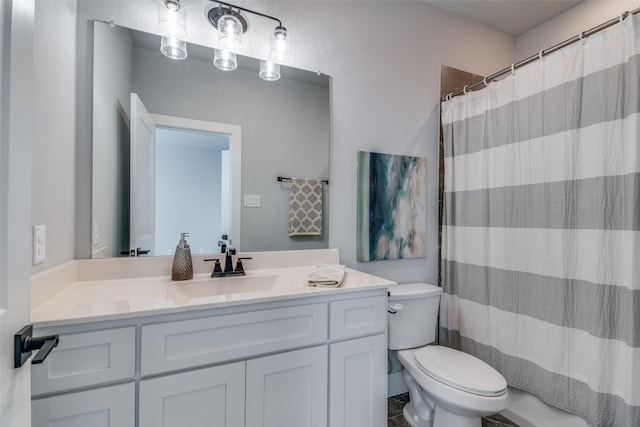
<point x="624" y="15"/>
<point x="464" y="89"/>
<point x="541" y="54"/>
<point x="485" y="82"/>
<point x="581" y="36"/>
<point x="513" y="69"/>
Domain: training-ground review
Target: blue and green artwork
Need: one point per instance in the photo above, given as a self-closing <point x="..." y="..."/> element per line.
<point x="392" y="199"/>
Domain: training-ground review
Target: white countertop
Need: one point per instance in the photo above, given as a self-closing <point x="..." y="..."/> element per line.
<point x="99" y="300"/>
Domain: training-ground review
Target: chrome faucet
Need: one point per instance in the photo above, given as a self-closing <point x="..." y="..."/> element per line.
<point x="229" y="270"/>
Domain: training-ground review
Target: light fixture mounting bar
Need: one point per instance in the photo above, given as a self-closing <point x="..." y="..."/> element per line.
<point x="233" y="6"/>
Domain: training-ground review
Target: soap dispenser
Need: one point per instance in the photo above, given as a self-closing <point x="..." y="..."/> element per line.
<point x="182" y="265"/>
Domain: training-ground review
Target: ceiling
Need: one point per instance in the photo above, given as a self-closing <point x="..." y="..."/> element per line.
<point x="514" y="17"/>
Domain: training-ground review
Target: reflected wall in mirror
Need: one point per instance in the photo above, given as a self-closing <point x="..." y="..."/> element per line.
<point x="282" y="127"/>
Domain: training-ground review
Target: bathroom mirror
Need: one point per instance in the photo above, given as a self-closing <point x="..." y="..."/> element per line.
<point x="223" y="139"/>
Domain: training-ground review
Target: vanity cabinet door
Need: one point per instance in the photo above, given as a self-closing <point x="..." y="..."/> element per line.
<point x="205" y="397"/>
<point x="103" y="407"/>
<point x="288" y="389"/>
<point x="358" y="383"/>
<point x="357" y="317"/>
<point x="86" y="359"/>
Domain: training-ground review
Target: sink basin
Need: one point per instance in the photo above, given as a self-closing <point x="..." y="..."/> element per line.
<point x="208" y="289"/>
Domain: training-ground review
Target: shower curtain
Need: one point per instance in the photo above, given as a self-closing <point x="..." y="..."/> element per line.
<point x="541" y="226"/>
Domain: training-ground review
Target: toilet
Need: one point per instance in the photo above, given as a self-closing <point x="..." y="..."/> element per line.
<point x="447" y="388"/>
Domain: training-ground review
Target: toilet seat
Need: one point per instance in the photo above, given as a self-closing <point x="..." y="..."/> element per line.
<point x="460" y="370"/>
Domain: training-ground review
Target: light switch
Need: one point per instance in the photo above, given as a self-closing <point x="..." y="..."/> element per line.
<point x="251" y="200"/>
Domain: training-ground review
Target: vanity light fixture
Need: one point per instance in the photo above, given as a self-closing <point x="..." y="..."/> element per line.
<point x="231" y="25"/>
<point x="269" y="70"/>
<point x="172" y="23"/>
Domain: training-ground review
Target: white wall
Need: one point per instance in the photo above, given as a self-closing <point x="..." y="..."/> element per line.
<point x="53" y="151"/>
<point x="384" y="59"/>
<point x="580" y="18"/>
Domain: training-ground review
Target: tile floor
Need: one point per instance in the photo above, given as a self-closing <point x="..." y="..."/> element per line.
<point x="395" y="418"/>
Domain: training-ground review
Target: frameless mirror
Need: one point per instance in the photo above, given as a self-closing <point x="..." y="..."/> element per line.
<point x="180" y="146"/>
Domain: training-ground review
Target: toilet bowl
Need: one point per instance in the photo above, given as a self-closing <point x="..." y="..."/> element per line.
<point x="447" y="388"/>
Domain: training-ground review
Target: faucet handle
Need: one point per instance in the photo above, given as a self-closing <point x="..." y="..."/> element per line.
<point x="239" y="266"/>
<point x="216" y="267"/>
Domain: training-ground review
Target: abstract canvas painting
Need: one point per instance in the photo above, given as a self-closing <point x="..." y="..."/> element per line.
<point x="392" y="199"/>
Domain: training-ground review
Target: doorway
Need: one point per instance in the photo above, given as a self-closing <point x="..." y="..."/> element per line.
<point x="192" y="189"/>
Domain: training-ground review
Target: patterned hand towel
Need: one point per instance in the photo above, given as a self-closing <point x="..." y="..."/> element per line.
<point x="327" y="275"/>
<point x="305" y="207"/>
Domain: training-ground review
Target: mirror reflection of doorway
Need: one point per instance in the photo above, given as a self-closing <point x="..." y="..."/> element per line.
<point x="192" y="188"/>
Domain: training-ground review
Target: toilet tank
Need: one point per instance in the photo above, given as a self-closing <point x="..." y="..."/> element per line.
<point x="413" y="315"/>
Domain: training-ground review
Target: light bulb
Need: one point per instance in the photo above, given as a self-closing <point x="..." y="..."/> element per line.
<point x="224" y="60"/>
<point x="229" y="32"/>
<point x="172" y="19"/>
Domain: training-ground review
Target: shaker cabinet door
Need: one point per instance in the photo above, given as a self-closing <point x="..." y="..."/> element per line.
<point x="288" y="389"/>
<point x="103" y="407"/>
<point x="205" y="397"/>
<point x="358" y="383"/>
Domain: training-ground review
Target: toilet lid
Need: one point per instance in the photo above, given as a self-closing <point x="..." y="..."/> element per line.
<point x="460" y="370"/>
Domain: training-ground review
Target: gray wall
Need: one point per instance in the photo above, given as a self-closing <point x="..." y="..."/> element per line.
<point x="385" y="88"/>
<point x="112" y="83"/>
<point x="582" y="17"/>
<point x="285" y="131"/>
<point x="53" y="151"/>
<point x="385" y="96"/>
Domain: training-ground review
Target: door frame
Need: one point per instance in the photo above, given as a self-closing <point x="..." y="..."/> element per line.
<point x="16" y="122"/>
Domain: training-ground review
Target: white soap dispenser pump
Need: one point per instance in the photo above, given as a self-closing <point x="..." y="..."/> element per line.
<point x="182" y="264"/>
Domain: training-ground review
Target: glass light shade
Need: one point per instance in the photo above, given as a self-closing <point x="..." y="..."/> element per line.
<point x="269" y="71"/>
<point x="172" y="19"/>
<point x="173" y="48"/>
<point x="229" y="32"/>
<point x="224" y="60"/>
<point x="280" y="46"/>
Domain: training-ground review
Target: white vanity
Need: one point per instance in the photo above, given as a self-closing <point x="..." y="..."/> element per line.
<point x="260" y="350"/>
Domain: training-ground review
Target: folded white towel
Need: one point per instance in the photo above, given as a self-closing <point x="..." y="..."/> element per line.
<point x="327" y="275"/>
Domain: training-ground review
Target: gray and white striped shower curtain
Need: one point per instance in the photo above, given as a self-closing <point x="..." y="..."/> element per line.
<point x="541" y="226"/>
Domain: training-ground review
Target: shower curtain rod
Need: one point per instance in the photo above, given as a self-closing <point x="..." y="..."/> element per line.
<point x="542" y="53"/>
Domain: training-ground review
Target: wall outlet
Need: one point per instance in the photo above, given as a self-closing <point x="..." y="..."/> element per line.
<point x="39" y="244"/>
<point x="251" y="200"/>
<point x="96" y="233"/>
